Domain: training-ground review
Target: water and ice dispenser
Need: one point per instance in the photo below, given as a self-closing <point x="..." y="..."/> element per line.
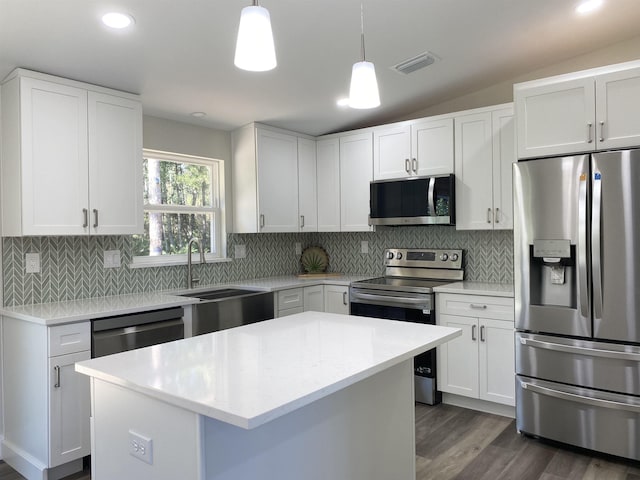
<point x="553" y="273"/>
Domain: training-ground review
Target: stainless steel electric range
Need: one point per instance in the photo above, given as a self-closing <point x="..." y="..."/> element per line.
<point x="405" y="293"/>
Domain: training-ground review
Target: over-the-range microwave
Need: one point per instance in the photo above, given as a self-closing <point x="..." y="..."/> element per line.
<point x="413" y="201"/>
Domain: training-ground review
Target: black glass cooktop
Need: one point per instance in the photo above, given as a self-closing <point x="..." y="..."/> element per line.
<point x="401" y="284"/>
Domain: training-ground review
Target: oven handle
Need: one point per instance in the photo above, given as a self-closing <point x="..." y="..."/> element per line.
<point x="369" y="296"/>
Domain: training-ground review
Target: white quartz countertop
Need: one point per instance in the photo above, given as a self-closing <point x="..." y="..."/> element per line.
<point x="477" y="288"/>
<point x="50" y="314"/>
<point x="250" y="375"/>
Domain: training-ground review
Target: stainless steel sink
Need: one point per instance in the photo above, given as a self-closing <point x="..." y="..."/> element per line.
<point x="224" y="308"/>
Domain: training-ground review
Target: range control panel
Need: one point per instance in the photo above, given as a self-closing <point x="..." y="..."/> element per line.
<point x="423" y="257"/>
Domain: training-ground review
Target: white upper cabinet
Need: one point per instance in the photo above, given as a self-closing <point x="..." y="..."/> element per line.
<point x="71" y="158"/>
<point x="356" y="172"/>
<point x="274" y="186"/>
<point x="416" y="148"/>
<point x="580" y="112"/>
<point x="328" y="184"/>
<point x="485" y="153"/>
<point x="307" y="186"/>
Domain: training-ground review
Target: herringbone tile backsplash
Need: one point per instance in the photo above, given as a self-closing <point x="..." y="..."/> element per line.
<point x="72" y="267"/>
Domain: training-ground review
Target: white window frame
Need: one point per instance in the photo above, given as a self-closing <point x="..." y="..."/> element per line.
<point x="217" y="211"/>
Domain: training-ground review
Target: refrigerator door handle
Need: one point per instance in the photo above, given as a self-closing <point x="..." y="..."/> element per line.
<point x="582" y="248"/>
<point x="585" y="351"/>
<point x="596" y="239"/>
<point x="572" y="397"/>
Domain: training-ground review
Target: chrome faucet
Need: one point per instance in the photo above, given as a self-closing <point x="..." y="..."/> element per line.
<point x="190" y="279"/>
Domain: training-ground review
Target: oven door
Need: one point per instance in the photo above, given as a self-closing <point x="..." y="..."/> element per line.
<point x="405" y="307"/>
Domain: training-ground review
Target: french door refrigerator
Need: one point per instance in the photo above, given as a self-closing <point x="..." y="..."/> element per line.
<point x="577" y="297"/>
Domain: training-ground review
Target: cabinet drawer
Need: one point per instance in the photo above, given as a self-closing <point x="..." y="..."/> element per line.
<point x="70" y="338"/>
<point x="290" y="311"/>
<point x="479" y="306"/>
<point x="291" y="298"/>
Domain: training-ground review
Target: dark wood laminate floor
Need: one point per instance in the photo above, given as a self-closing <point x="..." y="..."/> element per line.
<point x="456" y="443"/>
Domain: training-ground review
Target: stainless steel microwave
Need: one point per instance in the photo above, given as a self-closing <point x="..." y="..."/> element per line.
<point x="414" y="201"/>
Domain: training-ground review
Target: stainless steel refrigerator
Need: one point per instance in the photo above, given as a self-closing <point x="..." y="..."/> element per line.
<point x="577" y="297"/>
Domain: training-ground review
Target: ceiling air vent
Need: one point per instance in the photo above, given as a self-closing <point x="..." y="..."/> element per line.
<point x="416" y="63"/>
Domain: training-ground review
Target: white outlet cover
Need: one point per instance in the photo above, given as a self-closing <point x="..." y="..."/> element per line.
<point x="298" y="248"/>
<point x="32" y="262"/>
<point x="240" y="251"/>
<point x="141" y="447"/>
<point x="111" y="258"/>
<point x="364" y="246"/>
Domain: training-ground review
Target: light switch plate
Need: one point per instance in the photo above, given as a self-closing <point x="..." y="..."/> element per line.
<point x="364" y="246"/>
<point x="298" y="248"/>
<point x="32" y="262"/>
<point x="111" y="258"/>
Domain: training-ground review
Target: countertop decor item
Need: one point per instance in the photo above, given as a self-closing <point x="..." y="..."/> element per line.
<point x="314" y="260"/>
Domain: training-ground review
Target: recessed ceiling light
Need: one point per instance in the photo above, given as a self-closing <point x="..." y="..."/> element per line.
<point x="117" y="20"/>
<point x="198" y="114"/>
<point x="589" y="6"/>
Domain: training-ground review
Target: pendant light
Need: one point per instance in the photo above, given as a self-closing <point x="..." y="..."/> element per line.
<point x="363" y="92"/>
<point x="254" y="48"/>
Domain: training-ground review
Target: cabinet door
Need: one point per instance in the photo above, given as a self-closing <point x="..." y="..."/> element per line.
<point x="307" y="198"/>
<point x="328" y="182"/>
<point x="54" y="158"/>
<point x="497" y="361"/>
<point x="458" y="358"/>
<point x="336" y="299"/>
<point x="69" y="409"/>
<point x="555" y="119"/>
<point x="277" y="156"/>
<point x="356" y="172"/>
<point x="617" y="107"/>
<point x="432" y="147"/>
<point x="392" y="152"/>
<point x="474" y="177"/>
<point x="314" y="298"/>
<point x="115" y="165"/>
<point x="504" y="156"/>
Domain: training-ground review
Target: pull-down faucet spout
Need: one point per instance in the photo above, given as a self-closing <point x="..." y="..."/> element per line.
<point x="190" y="279"/>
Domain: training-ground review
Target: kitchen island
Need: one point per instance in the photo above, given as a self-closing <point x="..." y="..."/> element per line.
<point x="308" y="396"/>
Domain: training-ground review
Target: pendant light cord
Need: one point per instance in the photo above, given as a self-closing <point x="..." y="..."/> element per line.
<point x="362" y="30"/>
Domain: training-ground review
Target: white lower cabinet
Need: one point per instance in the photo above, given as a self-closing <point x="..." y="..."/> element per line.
<point x="46" y="403"/>
<point x="317" y="298"/>
<point x="480" y="363"/>
<point x="336" y="299"/>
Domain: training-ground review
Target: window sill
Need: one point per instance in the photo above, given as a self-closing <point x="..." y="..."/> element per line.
<point x="146" y="262"/>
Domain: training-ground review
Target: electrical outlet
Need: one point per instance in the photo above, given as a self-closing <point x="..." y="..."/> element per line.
<point x="240" y="251"/>
<point x="364" y="246"/>
<point x="111" y="258"/>
<point x="141" y="447"/>
<point x="32" y="262"/>
<point x="298" y="248"/>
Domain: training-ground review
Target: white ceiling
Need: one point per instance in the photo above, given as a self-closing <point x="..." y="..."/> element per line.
<point x="179" y="55"/>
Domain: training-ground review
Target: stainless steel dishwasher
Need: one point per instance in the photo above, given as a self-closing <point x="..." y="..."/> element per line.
<point x="229" y="307"/>
<point x="127" y="332"/>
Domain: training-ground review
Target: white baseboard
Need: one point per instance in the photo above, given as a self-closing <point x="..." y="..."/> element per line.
<point x="480" y="405"/>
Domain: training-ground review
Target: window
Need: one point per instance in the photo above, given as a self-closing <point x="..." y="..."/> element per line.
<point x="183" y="199"/>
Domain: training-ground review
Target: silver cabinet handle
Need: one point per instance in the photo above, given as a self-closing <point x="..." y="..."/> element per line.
<point x="574" y="397"/>
<point x="414" y="165"/>
<point x="261" y="220"/>
<point x="488" y="215"/>
<point x="95" y="217"/>
<point x="473" y="333"/>
<point x="589" y="135"/>
<point x="601" y="139"/>
<point x="301" y="221"/>
<point x="482" y="339"/>
<point x="56" y="371"/>
<point x="497" y="215"/>
<point x="406" y="165"/>
<point x="477" y="306"/>
<point x="85" y="214"/>
<point x="344" y="298"/>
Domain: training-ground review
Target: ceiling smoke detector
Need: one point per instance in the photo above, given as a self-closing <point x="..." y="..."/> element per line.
<point x="415" y="63"/>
